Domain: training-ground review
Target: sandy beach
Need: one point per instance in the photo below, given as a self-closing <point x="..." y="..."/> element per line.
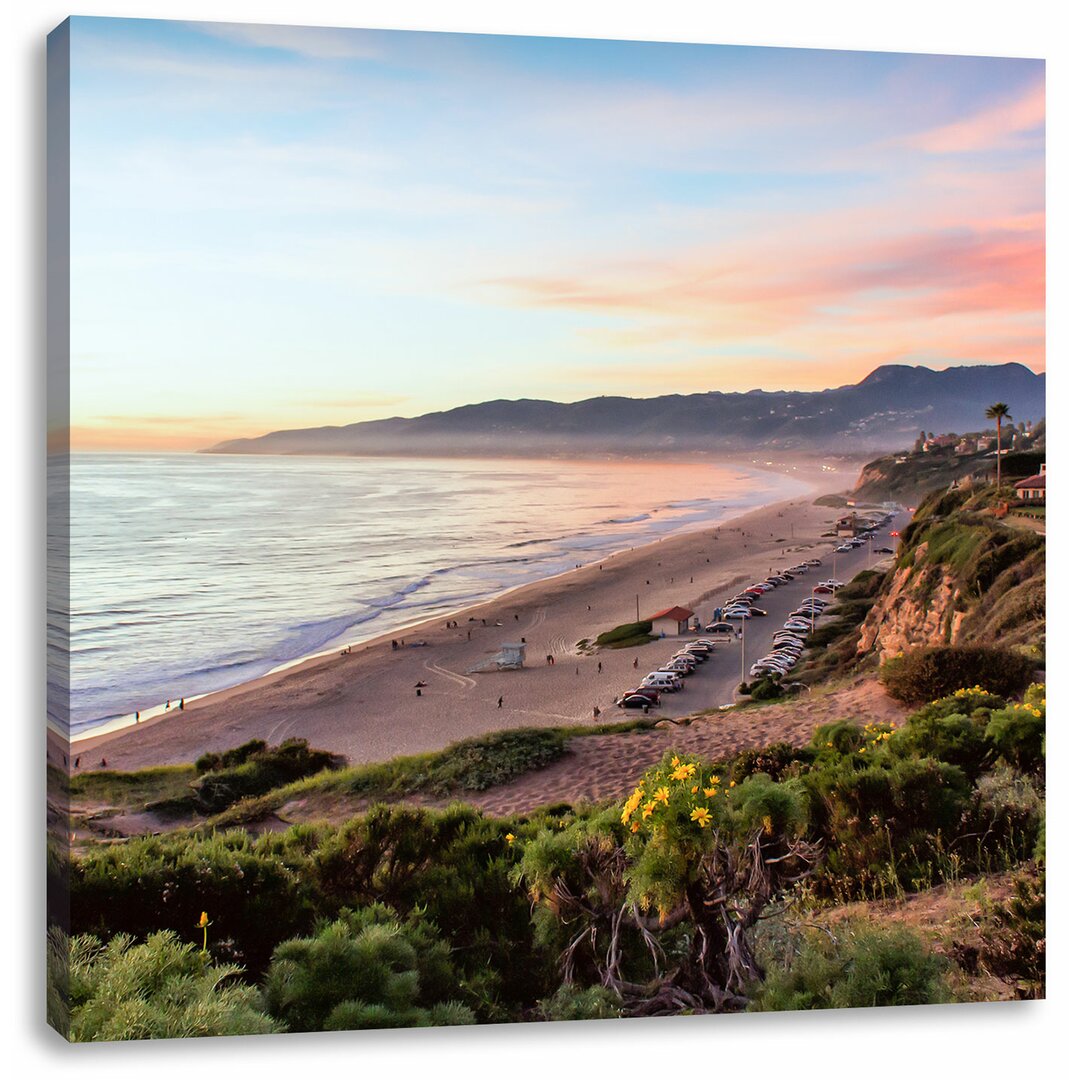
<point x="365" y="704"/>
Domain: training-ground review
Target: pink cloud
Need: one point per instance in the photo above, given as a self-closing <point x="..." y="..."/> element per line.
<point x="993" y="128"/>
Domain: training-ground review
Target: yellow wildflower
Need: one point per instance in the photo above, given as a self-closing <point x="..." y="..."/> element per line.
<point x="732" y="784"/>
<point x="683" y="772"/>
<point x="766" y="823"/>
<point x="510" y="838"/>
<point x="710" y="792"/>
<point x="647" y="809"/>
<point x="694" y="790"/>
<point x="635" y="826"/>
<point x="661" y="795"/>
<point x="714" y="779"/>
<point x="701" y="815"/>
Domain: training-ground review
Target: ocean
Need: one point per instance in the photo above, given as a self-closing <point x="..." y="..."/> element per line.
<point x="192" y="573"/>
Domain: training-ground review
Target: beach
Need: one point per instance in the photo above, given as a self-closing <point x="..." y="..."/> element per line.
<point x="364" y="704"/>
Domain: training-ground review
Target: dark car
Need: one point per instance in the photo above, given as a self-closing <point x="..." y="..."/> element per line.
<point x="636" y="701"/>
<point x="758" y="611"/>
<point x="883" y="551"/>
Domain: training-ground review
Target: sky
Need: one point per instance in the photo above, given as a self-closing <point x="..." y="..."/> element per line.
<point x="277" y="227"/>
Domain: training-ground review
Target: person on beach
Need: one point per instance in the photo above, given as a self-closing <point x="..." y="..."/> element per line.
<point x="468" y="635"/>
<point x="500" y="701"/>
<point x="104" y="763"/>
<point x="167" y="704"/>
<point x="181" y="704"/>
<point x="596" y="712"/>
<point x="599" y="667"/>
<point x="419" y="692"/>
<point x="577" y="671"/>
<point x="136" y="716"/>
<point x="635" y="663"/>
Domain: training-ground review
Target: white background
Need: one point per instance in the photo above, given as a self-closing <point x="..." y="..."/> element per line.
<point x="1029" y="1040"/>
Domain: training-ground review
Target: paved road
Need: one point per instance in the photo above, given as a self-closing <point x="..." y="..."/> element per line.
<point x="715" y="681"/>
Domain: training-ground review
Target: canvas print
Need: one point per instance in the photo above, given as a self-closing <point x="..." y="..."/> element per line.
<point x="539" y="529"/>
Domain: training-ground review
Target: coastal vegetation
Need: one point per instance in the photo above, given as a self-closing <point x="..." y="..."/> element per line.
<point x="627" y="636"/>
<point x="700" y="892"/>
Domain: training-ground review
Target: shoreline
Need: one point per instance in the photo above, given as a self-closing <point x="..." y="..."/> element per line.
<point x="253" y="708"/>
<point x="118" y="723"/>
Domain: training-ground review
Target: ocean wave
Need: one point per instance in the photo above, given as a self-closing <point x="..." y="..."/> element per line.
<point x="625" y="520"/>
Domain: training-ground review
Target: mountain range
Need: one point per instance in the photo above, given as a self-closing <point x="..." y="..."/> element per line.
<point x="885" y="411"/>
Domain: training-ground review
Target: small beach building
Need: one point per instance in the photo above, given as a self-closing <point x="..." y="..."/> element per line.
<point x="671" y="621"/>
<point x="1033" y="489"/>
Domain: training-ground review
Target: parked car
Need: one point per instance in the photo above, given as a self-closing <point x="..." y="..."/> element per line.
<point x="883" y="551"/>
<point x="662" y="680"/>
<point x="721" y="628"/>
<point x="636" y="701"/>
<point x="652" y="694"/>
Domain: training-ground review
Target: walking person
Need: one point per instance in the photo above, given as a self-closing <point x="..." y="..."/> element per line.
<point x="635" y="663"/>
<point x="599" y="667"/>
<point x="500" y="701"/>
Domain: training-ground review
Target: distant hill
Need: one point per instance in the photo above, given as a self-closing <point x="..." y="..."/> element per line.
<point x="885" y="411"/>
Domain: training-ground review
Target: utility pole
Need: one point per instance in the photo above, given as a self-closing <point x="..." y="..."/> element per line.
<point x="742" y="638"/>
<point x="637" y="606"/>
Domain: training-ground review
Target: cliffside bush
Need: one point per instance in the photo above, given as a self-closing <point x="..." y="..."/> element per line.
<point x="923" y="675"/>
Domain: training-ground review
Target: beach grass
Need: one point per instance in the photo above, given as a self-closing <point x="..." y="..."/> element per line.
<point x="468" y="766"/>
<point x="133" y="789"/>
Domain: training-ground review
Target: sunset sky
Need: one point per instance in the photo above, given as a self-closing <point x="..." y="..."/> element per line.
<point x="283" y="227"/>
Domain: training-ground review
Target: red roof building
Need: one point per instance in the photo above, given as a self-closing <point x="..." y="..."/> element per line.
<point x="1033" y="489"/>
<point x="672" y="620"/>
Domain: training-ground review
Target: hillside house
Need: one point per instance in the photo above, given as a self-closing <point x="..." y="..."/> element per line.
<point x="1033" y="489"/>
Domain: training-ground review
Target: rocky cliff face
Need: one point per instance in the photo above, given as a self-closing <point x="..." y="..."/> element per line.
<point x="920" y="607"/>
<point x="961" y="578"/>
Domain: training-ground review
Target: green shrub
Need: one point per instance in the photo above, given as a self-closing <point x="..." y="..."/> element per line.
<point x="256" y="891"/>
<point x="925" y="674"/>
<point x="839" y="737"/>
<point x="260" y="769"/>
<point x="768" y="689"/>
<point x="455" y="865"/>
<point x="626" y="636"/>
<point x="365" y="969"/>
<point x="228" y="759"/>
<point x="1018" y="732"/>
<point x="571" y="1003"/>
<point x="957" y="739"/>
<point x="163" y="989"/>
<point x="863" y="968"/>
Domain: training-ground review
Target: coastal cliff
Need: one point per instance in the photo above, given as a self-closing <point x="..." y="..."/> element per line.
<point x="961" y="577"/>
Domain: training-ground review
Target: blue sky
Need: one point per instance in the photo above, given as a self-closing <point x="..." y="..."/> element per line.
<point x="278" y="226"/>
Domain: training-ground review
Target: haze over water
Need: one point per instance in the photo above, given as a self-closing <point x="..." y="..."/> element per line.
<point x="192" y="573"/>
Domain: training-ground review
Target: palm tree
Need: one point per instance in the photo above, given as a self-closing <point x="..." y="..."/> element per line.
<point x="997" y="413"/>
